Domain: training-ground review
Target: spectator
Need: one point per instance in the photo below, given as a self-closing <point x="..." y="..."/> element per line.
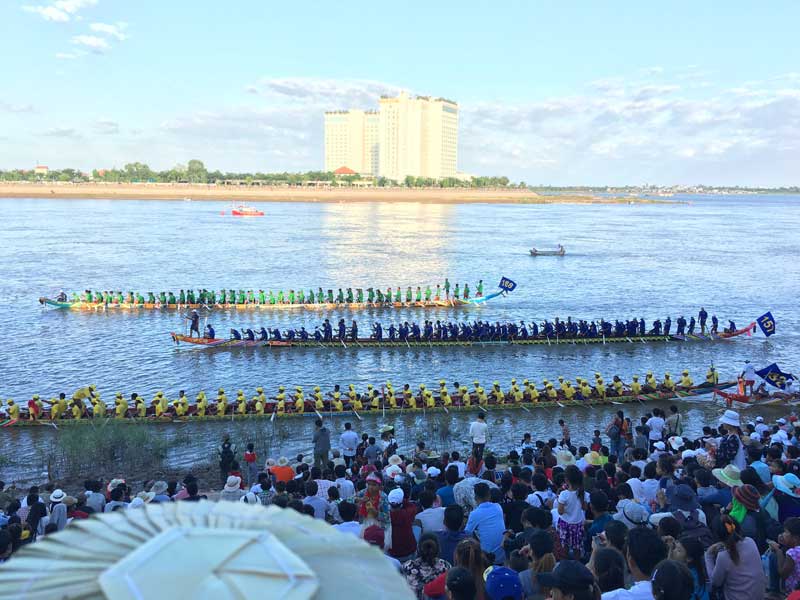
<point x="542" y="560"/>
<point x="487" y="522"/>
<point x="608" y="566"/>
<point x="445" y="493"/>
<point x="312" y="499"/>
<point x="572" y="512"/>
<point x="461" y="585"/>
<point x="571" y="580"/>
<point x="672" y="581"/>
<point x="452" y="533"/>
<point x="322" y="444"/>
<point x="645" y="551"/>
<point x="430" y="519"/>
<point x="468" y="555"/>
<point x="401" y="515"/>
<point x="477" y="433"/>
<point x="349" y="444"/>
<point x="734" y="564"/>
<point x="232" y="490"/>
<point x="513" y="510"/>
<point x="427" y="566"/>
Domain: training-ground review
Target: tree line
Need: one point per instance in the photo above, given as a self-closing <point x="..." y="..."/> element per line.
<point x="196" y="172"/>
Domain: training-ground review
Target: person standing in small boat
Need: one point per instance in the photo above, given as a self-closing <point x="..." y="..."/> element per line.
<point x="703" y="317"/>
<point x="194" y="320"/>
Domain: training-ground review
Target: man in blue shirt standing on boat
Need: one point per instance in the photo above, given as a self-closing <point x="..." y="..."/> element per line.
<point x="703" y="318"/>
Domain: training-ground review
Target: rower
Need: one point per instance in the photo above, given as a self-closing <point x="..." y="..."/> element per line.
<point x="408" y="295"/>
<point x="374" y="403"/>
<point x="263" y="335"/>
<point x="354" y="332"/>
<point x="241" y="403"/>
<point x="550" y="391"/>
<point x="691" y="325"/>
<point x="250" y="334"/>
<point x="391" y="399"/>
<point x="650" y="383"/>
<point x="531" y="391"/>
<point x="714" y="324"/>
<point x="299" y="400"/>
<point x="600" y="388"/>
<point x="140" y="404"/>
<point x="13" y="410"/>
<point x="280" y="400"/>
<point x="235" y="334"/>
<point x="356" y="404"/>
<point x="636" y="387"/>
<point x="686" y="381"/>
<point x="569" y="391"/>
<point x="498" y="394"/>
<point x="377" y="332"/>
<point x="703" y="316"/>
<point x="121" y="407"/>
<point x="259" y="403"/>
<point x="430" y="401"/>
<point x="667" y="325"/>
<point x="222" y="402"/>
<point x="319" y="403"/>
<point x="712" y="377"/>
<point x="668" y="384"/>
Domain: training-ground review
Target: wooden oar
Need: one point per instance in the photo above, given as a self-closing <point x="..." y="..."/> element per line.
<point x="357" y="415"/>
<point x="523" y="407"/>
<point x="318" y="414"/>
<point x="274" y="412"/>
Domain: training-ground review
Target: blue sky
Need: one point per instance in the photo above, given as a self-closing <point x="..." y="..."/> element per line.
<point x="550" y="93"/>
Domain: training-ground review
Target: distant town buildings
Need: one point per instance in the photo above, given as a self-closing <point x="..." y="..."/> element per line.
<point x="415" y="136"/>
<point x="42" y="170"/>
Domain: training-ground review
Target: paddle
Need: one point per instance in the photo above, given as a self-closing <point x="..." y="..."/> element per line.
<point x="357" y="415"/>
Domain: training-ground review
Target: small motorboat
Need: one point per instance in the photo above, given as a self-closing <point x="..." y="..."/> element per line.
<point x="560" y="251"/>
<point x="246" y="211"/>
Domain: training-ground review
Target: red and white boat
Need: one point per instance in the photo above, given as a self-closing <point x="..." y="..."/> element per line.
<point x="246" y="211"/>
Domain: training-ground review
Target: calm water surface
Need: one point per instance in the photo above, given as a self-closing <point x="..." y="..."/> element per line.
<point x="737" y="256"/>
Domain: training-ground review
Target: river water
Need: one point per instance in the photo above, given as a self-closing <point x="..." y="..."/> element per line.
<point x="735" y="255"/>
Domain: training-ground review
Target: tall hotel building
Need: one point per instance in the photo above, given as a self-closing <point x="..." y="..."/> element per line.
<point x="415" y="136"/>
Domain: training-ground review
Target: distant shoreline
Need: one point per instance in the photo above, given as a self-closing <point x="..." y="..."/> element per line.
<point x="201" y="192"/>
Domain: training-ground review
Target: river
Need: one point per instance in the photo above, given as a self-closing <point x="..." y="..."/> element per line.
<point x="735" y="255"/>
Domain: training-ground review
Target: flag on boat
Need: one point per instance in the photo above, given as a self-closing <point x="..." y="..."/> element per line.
<point x="774" y="376"/>
<point x="507" y="285"/>
<point x="766" y="323"/>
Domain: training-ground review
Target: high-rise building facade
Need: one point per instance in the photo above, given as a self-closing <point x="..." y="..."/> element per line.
<point x="415" y="136"/>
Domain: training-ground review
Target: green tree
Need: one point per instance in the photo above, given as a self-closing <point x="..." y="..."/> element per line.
<point x="196" y="171"/>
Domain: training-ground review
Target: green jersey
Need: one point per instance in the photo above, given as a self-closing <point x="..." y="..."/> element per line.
<point x="428" y="294"/>
<point x="408" y="295"/>
<point x="291" y="296"/>
<point x="182" y="297"/>
<point x="261" y="298"/>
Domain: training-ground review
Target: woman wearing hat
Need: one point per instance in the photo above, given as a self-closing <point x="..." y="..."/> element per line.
<point x="786" y="494"/>
<point x="731" y="448"/>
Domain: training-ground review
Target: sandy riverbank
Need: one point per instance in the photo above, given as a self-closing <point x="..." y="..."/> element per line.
<point x="127" y="191"/>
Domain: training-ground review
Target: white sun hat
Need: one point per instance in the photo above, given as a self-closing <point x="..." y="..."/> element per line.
<point x="240" y="550"/>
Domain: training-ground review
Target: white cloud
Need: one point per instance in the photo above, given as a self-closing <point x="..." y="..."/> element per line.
<point x="68" y="55"/>
<point x="60" y="11"/>
<point x="115" y="31"/>
<point x="62" y="132"/>
<point x="331" y="93"/>
<point x="15" y="108"/>
<point x="106" y="127"/>
<point x="92" y="42"/>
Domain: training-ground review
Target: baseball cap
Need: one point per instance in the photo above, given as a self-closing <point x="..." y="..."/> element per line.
<point x="503" y="583"/>
<point x="396" y="496"/>
<point x="568" y="576"/>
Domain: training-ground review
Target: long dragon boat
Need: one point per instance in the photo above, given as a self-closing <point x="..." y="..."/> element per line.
<point x="101" y="306"/>
<point x="422" y="343"/>
<point x="271" y="412"/>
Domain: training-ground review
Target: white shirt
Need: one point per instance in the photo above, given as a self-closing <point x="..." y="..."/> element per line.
<point x="349" y="442"/>
<point x="761" y="428"/>
<point x="461" y="466"/>
<point x="346" y="488"/>
<point x="573" y="512"/>
<point x="431" y="519"/>
<point x="656" y="425"/>
<point x="641" y="590"/>
<point x="649" y="490"/>
<point x="535" y="499"/>
<point x="749" y="372"/>
<point x="352" y="527"/>
<point x="637" y="488"/>
<point x="477" y="431"/>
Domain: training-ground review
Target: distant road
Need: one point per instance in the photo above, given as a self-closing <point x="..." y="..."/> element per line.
<point x="255" y="193"/>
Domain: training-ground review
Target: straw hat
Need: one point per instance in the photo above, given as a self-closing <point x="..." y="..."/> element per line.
<point x="69" y="501"/>
<point x="565" y="458"/>
<point x="270" y="462"/>
<point x="159" y="487"/>
<point x="57" y="495"/>
<point x="242" y="551"/>
<point x="232" y="483"/>
<point x="593" y="458"/>
<point x="394" y="459"/>
<point x="730" y="475"/>
<point x="283" y="461"/>
<point x="393" y="471"/>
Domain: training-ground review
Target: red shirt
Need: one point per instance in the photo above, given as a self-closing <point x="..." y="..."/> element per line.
<point x="282" y="473"/>
<point x="403" y="540"/>
<point x="249" y="457"/>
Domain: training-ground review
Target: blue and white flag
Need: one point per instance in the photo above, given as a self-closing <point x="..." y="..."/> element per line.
<point x="774" y="376"/>
<point x="767" y="324"/>
<point x="507" y="285"/>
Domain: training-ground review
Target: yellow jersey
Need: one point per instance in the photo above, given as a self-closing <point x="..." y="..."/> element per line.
<point x="337" y="405"/>
<point x="13" y="411"/>
<point x="686" y="381"/>
<point x="141" y="409"/>
<point x="668" y="383"/>
<point x="569" y="392"/>
<point x="636" y="388"/>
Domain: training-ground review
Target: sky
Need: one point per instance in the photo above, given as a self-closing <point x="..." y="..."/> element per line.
<point x="550" y="93"/>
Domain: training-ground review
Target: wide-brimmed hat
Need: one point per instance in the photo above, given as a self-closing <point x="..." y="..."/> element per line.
<point x="688" y="454"/>
<point x="232" y="483"/>
<point x="69" y="501"/>
<point x="283" y="461"/>
<point x="434" y="472"/>
<point x="159" y="487"/>
<point x="146" y="497"/>
<point x="684" y="498"/>
<point x="675" y="442"/>
<point x="565" y="458"/>
<point x="730" y="475"/>
<point x="393" y="470"/>
<point x="309" y="460"/>
<point x="660" y="446"/>
<point x="730" y="417"/>
<point x="394" y="459"/>
<point x="633" y="515"/>
<point x="788" y="484"/>
<point x="57" y="495"/>
<point x="748" y="496"/>
<point x="593" y="458"/>
<point x="114" y="483"/>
